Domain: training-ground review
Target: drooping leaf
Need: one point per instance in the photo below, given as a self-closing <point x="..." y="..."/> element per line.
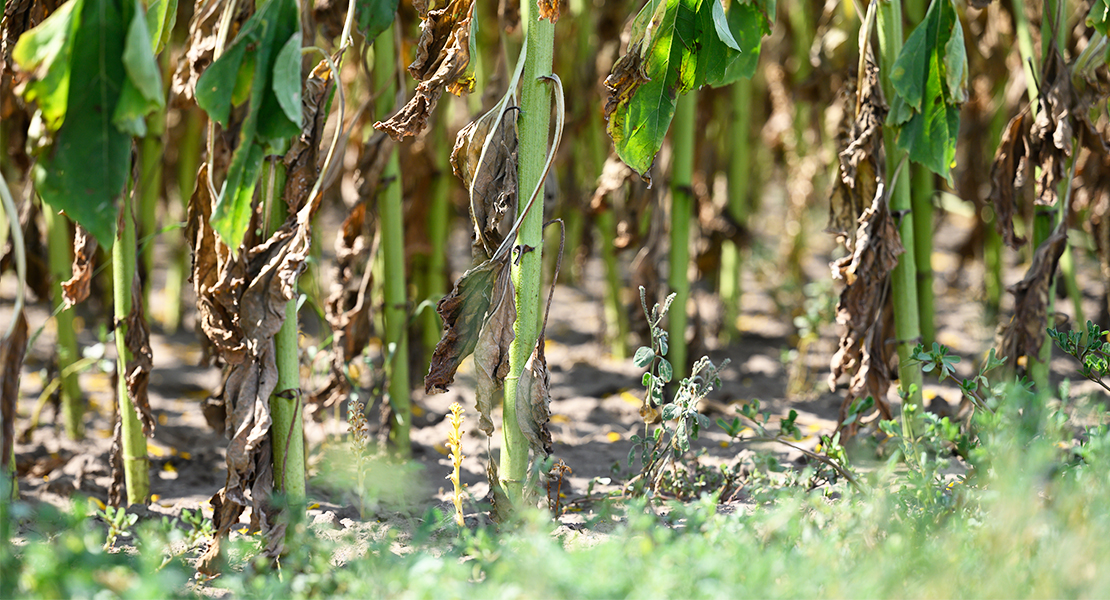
<point x="484" y="158"/>
<point x="865" y="307"/>
<point x="76" y="290"/>
<point x="84" y="170"/>
<point x="929" y="79"/>
<point x="372" y="17"/>
<point x="273" y="112"/>
<point x="861" y="163"/>
<point x="491" y="352"/>
<point x="141" y="362"/>
<point x="1099" y="16"/>
<point x="161" y="16"/>
<point x="44" y="52"/>
<point x="533" y="402"/>
<point x="675" y="47"/>
<point x="1008" y="174"/>
<point x="1024" y="334"/>
<point x="441" y="62"/>
<point x="464" y="313"/>
<point x="202" y="44"/>
<point x="142" y="89"/>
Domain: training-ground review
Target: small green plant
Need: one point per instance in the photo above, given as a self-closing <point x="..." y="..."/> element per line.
<point x="977" y="389"/>
<point x="665" y="445"/>
<point x="1090" y="348"/>
<point x="200" y="528"/>
<point x="119" y="522"/>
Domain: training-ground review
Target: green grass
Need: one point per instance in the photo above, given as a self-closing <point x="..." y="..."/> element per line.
<point x="1028" y="519"/>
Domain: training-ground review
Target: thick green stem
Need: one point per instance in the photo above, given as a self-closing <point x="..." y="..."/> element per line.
<point x="393" y="251"/>
<point x="150" y="191"/>
<point x="535" y="123"/>
<point x="904" y="277"/>
<point x="922" y="201"/>
<point x="739" y="168"/>
<point x="286" y="407"/>
<point x="1067" y="268"/>
<point x="188" y="158"/>
<point x="136" y="467"/>
<point x="439" y="217"/>
<point x="682" y="171"/>
<point x="61" y="259"/>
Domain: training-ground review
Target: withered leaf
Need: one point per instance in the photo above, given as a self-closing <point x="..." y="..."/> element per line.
<point x="628" y="74"/>
<point x="76" y="290"/>
<point x="551" y="9"/>
<point x="210" y="257"/>
<point x="118" y="487"/>
<point x="484" y="157"/>
<point x="861" y="159"/>
<point x="1008" y="175"/>
<point x="13" y="349"/>
<point x="533" y="402"/>
<point x="442" y="62"/>
<point x="1024" y="334"/>
<point x="864" y="306"/>
<point x="302" y="161"/>
<point x="464" y="312"/>
<point x="1052" y="131"/>
<point x="202" y="44"/>
<point x="491" y="353"/>
<point x="140" y="363"/>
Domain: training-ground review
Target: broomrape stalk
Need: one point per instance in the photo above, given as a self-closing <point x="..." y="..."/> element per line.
<point x="454" y="442"/>
<point x="58" y="240"/>
<point x="136" y="467"/>
<point x="534" y="125"/>
<point x="904" y="277"/>
<point x="682" y="169"/>
<point x="393" y="250"/>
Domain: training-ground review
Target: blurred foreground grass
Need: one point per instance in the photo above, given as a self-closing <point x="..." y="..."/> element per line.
<point x="1028" y="519"/>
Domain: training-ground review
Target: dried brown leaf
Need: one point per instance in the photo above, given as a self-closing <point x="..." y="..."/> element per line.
<point x="615" y="174"/>
<point x="441" y="62"/>
<point x="1025" y="333"/>
<point x="13" y="349"/>
<point x="464" y="312"/>
<point x="1008" y="175"/>
<point x="118" y="487"/>
<point x="491" y="180"/>
<point x="76" y="290"/>
<point x="302" y="161"/>
<point x="491" y="353"/>
<point x="210" y="258"/>
<point x="861" y="160"/>
<point x="551" y="9"/>
<point x="140" y="362"/>
<point x="864" y="305"/>
<point x="533" y="402"/>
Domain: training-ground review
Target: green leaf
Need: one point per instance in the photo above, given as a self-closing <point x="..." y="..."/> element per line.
<point x="45" y="53"/>
<point x="287" y="79"/>
<point x="643" y="357"/>
<point x="161" y="15"/>
<point x="142" y="90"/>
<point x="929" y="78"/>
<point x="86" y="168"/>
<point x="666" y="371"/>
<point x="720" y="23"/>
<point x="372" y="17"/>
<point x="721" y="64"/>
<point x="1099" y="17"/>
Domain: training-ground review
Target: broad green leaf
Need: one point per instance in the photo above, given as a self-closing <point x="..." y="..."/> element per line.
<point x="287" y="79"/>
<point x="254" y="57"/>
<point x="85" y="170"/>
<point x="721" y="24"/>
<point x="1099" y="16"/>
<point x="722" y="65"/>
<point x="639" y="125"/>
<point x="161" y="15"/>
<point x="45" y="53"/>
<point x="142" y="89"/>
<point x="372" y="17"/>
<point x="929" y="78"/>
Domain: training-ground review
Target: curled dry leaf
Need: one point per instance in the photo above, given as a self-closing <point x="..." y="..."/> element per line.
<point x="533" y="402"/>
<point x="76" y="290"/>
<point x="442" y="62"/>
<point x="1053" y="129"/>
<point x="491" y="352"/>
<point x="464" y="312"/>
<point x="484" y="157"/>
<point x="861" y="160"/>
<point x="1024" y="334"/>
<point x="1008" y="173"/>
<point x="551" y="9"/>
<point x="864" y="310"/>
<point x="141" y="362"/>
<point x="13" y="349"/>
<point x="302" y="161"/>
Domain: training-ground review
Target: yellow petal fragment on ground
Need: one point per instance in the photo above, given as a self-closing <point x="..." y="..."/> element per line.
<point x="613" y="436"/>
<point x="631" y="398"/>
<point x="560" y="419"/>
